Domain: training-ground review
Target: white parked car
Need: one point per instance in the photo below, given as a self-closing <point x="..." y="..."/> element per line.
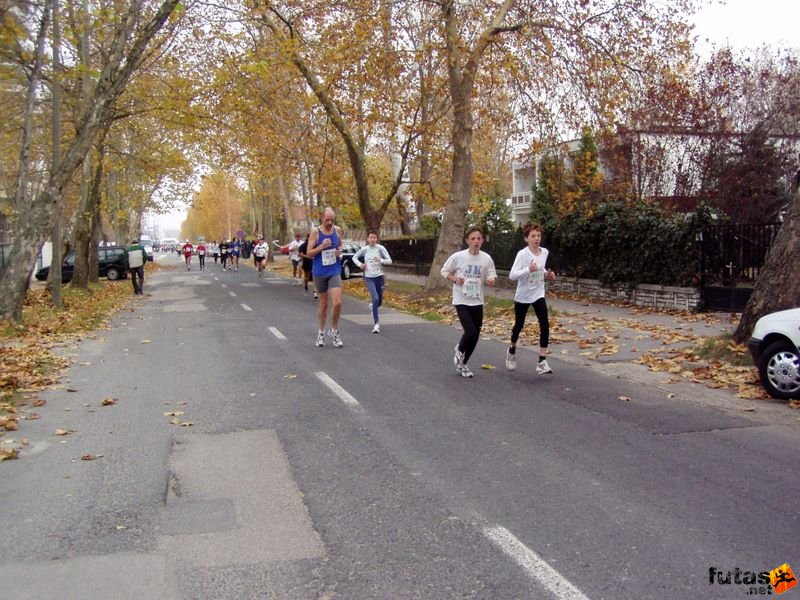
<point x="774" y="346"/>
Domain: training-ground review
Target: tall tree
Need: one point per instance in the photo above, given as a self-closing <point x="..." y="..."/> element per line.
<point x="569" y="59"/>
<point x="463" y="61"/>
<point x="354" y="109"/>
<point x="35" y="208"/>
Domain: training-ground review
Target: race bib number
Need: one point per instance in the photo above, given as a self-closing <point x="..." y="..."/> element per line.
<point x="535" y="278"/>
<point x="472" y="287"/>
<point x="260" y="252"/>
<point x="374" y="268"/>
<point x="201" y="252"/>
<point x="328" y="257"/>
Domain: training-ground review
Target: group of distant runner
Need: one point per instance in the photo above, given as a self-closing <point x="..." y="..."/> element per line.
<point x="226" y="250"/>
<point x="317" y="259"/>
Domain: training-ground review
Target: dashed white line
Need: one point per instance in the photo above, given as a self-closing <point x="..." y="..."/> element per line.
<point x="343" y="395"/>
<point x="534" y="564"/>
<point x="233" y="294"/>
<point x="277" y="333"/>
<point x="247" y="308"/>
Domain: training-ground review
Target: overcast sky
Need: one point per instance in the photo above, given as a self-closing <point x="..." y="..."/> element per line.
<point x="749" y="23"/>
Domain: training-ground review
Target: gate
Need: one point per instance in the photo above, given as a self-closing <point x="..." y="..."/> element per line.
<point x="731" y="256"/>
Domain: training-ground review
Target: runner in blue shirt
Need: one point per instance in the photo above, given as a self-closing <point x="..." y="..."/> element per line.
<point x="325" y="249"/>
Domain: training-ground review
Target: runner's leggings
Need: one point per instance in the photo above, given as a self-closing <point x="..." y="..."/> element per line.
<point x="471" y="318"/>
<point x="375" y="288"/>
<point x="521" y="311"/>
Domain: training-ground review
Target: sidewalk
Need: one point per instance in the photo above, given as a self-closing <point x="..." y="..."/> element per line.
<point x="640" y="344"/>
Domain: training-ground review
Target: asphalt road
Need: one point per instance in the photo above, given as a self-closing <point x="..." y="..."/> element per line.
<point x="239" y="461"/>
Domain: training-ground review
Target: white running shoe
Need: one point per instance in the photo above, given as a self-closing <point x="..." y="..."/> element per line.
<point x="337" y="340"/>
<point x="458" y="359"/>
<point x="465" y="372"/>
<point x="320" y="339"/>
<point x="511" y="360"/>
<point x="376" y="328"/>
<point x="543" y="368"/>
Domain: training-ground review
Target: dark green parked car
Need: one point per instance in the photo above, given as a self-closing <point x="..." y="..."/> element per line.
<point x="112" y="263"/>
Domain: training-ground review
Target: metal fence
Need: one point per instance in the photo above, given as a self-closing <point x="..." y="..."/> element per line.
<point x="732" y="254"/>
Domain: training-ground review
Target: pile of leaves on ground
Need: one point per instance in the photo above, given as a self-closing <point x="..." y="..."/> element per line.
<point x="31" y="351"/>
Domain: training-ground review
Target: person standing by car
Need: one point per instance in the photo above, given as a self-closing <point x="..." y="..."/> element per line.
<point x="201" y="255"/>
<point x="530" y="274"/>
<point x="325" y="248"/>
<point x="187" y="250"/>
<point x="375" y="256"/>
<point x="469" y="270"/>
<point x="137" y="256"/>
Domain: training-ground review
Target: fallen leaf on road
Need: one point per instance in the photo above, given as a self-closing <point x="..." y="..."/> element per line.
<point x="290" y="376"/>
<point x="624" y="399"/>
<point x="187" y="424"/>
<point x="91" y="456"/>
<point x="63" y="431"/>
<point x="8" y="454"/>
<point x="108" y="401"/>
<point x="39" y="402"/>
<point x="749" y="409"/>
<point x="488" y="367"/>
<point x="174" y="413"/>
<point x="175" y="422"/>
<point x="145" y="341"/>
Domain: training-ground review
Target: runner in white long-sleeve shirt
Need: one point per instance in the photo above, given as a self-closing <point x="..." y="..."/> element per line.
<point x="374" y="257"/>
<point x="530" y="274"/>
<point x="469" y="270"/>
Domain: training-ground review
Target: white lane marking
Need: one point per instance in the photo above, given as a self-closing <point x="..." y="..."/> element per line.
<point x="277" y="333"/>
<point x="233" y="294"/>
<point x="533" y="563"/>
<point x="224" y="285"/>
<point x="343" y="395"/>
<point x="247" y="308"/>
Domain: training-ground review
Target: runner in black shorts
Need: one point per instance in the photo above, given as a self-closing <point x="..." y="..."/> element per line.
<point x="308" y="263"/>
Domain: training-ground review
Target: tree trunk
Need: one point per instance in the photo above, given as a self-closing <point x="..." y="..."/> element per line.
<point x="54" y="277"/>
<point x="777" y="286"/>
<point x="451" y="237"/>
<point x="462" y="67"/>
<point x="88" y="226"/>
